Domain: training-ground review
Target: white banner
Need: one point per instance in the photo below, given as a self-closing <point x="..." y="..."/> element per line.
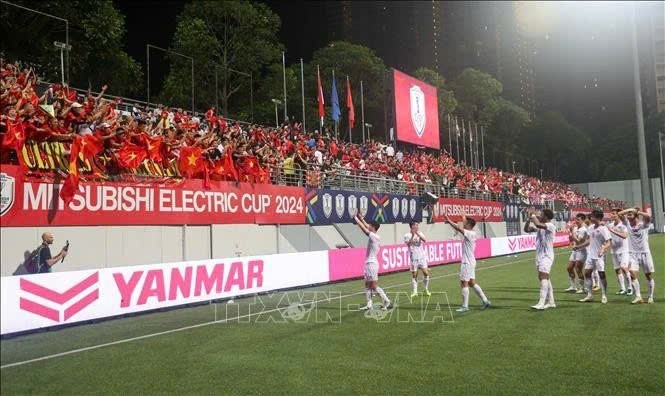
<point x="522" y="243"/>
<point x="31" y="302"/>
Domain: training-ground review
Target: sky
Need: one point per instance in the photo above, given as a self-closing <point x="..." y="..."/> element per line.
<point x="583" y="65"/>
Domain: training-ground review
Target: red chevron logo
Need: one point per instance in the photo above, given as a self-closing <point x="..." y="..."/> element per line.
<point x="512" y="243"/>
<point x="59" y="298"/>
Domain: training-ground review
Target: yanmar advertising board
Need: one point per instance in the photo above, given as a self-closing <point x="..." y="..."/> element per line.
<point x="45" y="300"/>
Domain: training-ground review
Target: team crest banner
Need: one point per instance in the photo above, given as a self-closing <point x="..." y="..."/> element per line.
<point x="338" y="206"/>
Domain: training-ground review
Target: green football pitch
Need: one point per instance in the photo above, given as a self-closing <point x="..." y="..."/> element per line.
<point x="285" y="343"/>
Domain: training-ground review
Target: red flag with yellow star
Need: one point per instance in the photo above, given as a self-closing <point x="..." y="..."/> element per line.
<point x="70" y="188"/>
<point x="131" y="156"/>
<point x="226" y="168"/>
<point x="91" y="145"/>
<point x="15" y="136"/>
<point x="154" y="148"/>
<point x="191" y="161"/>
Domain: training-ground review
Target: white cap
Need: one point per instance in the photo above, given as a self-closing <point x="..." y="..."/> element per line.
<point x="77" y="104"/>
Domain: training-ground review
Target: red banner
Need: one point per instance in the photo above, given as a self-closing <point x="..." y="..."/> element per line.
<point x="26" y="203"/>
<point x="416" y="111"/>
<point x="481" y="211"/>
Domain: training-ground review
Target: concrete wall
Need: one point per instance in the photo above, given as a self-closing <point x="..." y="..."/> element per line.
<point x="630" y="192"/>
<point x="105" y="246"/>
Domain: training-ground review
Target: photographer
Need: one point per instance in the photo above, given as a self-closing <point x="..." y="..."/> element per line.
<point x="45" y="259"/>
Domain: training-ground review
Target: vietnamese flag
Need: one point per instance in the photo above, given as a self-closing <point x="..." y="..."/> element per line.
<point x="131" y="156"/>
<point x="322" y="110"/>
<point x="154" y="148"/>
<point x="226" y="168"/>
<point x="250" y="170"/>
<point x="191" y="161"/>
<point x="70" y="188"/>
<point x="91" y="145"/>
<point x="349" y="104"/>
<point x="14" y="136"/>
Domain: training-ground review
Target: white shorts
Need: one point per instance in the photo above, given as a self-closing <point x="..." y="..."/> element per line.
<point x="642" y="260"/>
<point x="371" y="271"/>
<point x="544" y="265"/>
<point x="595" y="264"/>
<point x="415" y="264"/>
<point x="620" y="260"/>
<point x="578" y="255"/>
<point x="467" y="272"/>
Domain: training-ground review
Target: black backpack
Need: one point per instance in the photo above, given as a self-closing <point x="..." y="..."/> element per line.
<point x="33" y="263"/>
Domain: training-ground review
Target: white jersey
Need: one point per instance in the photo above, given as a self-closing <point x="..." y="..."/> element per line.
<point x="599" y="235"/>
<point x="638" y="237"/>
<point x="373" y="244"/>
<point x="545" y="242"/>
<point x="580" y="233"/>
<point x="416" y="247"/>
<point x="468" y="247"/>
<point x="619" y="245"/>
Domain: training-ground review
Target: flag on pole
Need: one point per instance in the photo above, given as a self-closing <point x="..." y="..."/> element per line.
<point x="334" y="100"/>
<point x="349" y="104"/>
<point x="322" y="111"/>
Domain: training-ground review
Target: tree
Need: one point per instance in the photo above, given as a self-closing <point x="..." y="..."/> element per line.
<point x="232" y="39"/>
<point x="477" y="94"/>
<point x="447" y="101"/>
<point x="97" y="31"/>
<point x="504" y="131"/>
<point x="271" y="86"/>
<point x="560" y="147"/>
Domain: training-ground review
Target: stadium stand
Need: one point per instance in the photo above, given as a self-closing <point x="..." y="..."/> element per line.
<point x="125" y="137"/>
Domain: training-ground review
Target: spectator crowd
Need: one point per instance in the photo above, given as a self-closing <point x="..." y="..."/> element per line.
<point x="208" y="146"/>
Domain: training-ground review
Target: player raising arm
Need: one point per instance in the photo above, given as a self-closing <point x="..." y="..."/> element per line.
<point x="620" y="256"/>
<point x="467" y="274"/>
<point x="640" y="252"/>
<point x="372" y="263"/>
<point x="579" y="237"/>
<point x="601" y="239"/>
<point x="545" y="231"/>
<point x="415" y="241"/>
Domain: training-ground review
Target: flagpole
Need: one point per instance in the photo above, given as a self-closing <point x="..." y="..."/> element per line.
<point x="482" y="141"/>
<point x="450" y="136"/>
<point x="362" y="109"/>
<point x="349" y="93"/>
<point x="457" y="138"/>
<point x="319" y="93"/>
<point x="302" y="90"/>
<point x="471" y="161"/>
<point x="333" y="104"/>
<point x="464" y="141"/>
<point x="284" y="77"/>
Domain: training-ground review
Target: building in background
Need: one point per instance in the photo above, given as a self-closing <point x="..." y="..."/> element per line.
<point x="444" y="36"/>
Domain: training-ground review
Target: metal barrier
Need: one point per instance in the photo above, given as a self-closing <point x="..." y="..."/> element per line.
<point x="345" y="179"/>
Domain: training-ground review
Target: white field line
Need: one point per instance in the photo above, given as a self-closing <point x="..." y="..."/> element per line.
<point x="126" y="340"/>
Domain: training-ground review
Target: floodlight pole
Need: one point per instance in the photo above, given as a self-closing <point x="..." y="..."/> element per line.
<point x="641" y="143"/>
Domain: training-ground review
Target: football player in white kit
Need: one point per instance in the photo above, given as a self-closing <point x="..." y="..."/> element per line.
<point x="640" y="252"/>
<point x="579" y="236"/>
<point x="372" y="264"/>
<point x="545" y="232"/>
<point x="415" y="241"/>
<point x="467" y="274"/>
<point x="601" y="239"/>
<point x="595" y="279"/>
<point x="620" y="257"/>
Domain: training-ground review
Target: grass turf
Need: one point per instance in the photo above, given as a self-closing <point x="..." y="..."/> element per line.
<point x="582" y="348"/>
